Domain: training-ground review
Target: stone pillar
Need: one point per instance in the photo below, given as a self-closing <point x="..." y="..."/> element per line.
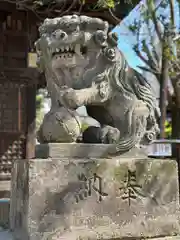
<point x="75" y="191"/>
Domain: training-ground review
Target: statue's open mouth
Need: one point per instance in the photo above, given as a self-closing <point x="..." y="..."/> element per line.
<point x="69" y="51"/>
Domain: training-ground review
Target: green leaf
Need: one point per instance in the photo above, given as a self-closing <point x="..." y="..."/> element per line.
<point x="106" y="3"/>
<point x="83" y="2"/>
<point x="133" y="28"/>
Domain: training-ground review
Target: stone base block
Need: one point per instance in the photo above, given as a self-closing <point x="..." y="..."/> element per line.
<point x="94" y="198"/>
<point x="80" y="150"/>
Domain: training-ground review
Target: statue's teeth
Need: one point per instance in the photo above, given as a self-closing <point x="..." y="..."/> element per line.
<point x="77" y="49"/>
<point x="62" y="49"/>
<point x="57" y="49"/>
<point x="67" y="48"/>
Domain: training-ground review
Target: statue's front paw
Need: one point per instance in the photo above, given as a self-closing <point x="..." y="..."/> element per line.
<point x="110" y="135"/>
<point x="70" y="99"/>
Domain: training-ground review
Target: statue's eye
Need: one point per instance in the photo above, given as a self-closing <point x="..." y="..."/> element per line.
<point x="59" y="34"/>
<point x="71" y="27"/>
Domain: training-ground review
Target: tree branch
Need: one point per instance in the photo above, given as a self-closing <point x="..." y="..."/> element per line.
<point x="157" y="74"/>
<point x="152" y="9"/>
<point x="150" y="56"/>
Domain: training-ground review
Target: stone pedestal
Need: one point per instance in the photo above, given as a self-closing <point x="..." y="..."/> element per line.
<point x="69" y="197"/>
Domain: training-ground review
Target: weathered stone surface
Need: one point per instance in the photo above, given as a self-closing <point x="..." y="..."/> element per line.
<point x="94" y="198"/>
<point x="81" y="150"/>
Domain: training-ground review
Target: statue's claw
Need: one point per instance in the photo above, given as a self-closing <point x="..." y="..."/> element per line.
<point x="69" y="99"/>
<point x="110" y="135"/>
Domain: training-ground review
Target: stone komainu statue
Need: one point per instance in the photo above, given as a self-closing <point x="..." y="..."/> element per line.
<point x="83" y="66"/>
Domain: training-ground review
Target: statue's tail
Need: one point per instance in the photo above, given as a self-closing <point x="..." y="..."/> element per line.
<point x="123" y="146"/>
<point x="138" y="129"/>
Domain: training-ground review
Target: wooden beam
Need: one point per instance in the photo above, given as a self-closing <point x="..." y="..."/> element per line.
<point x="15" y="33"/>
<point x="8" y="7"/>
<point x="14" y="55"/>
<point x="21" y="73"/>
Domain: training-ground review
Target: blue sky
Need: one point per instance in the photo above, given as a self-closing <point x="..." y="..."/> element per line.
<point x="126" y="37"/>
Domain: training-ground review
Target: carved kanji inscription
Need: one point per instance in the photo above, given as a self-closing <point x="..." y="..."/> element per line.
<point x="130" y="189"/>
<point x="90" y="184"/>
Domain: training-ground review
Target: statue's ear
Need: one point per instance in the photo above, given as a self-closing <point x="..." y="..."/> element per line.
<point x="113" y="39"/>
<point x="40" y="59"/>
<point x="37" y="45"/>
